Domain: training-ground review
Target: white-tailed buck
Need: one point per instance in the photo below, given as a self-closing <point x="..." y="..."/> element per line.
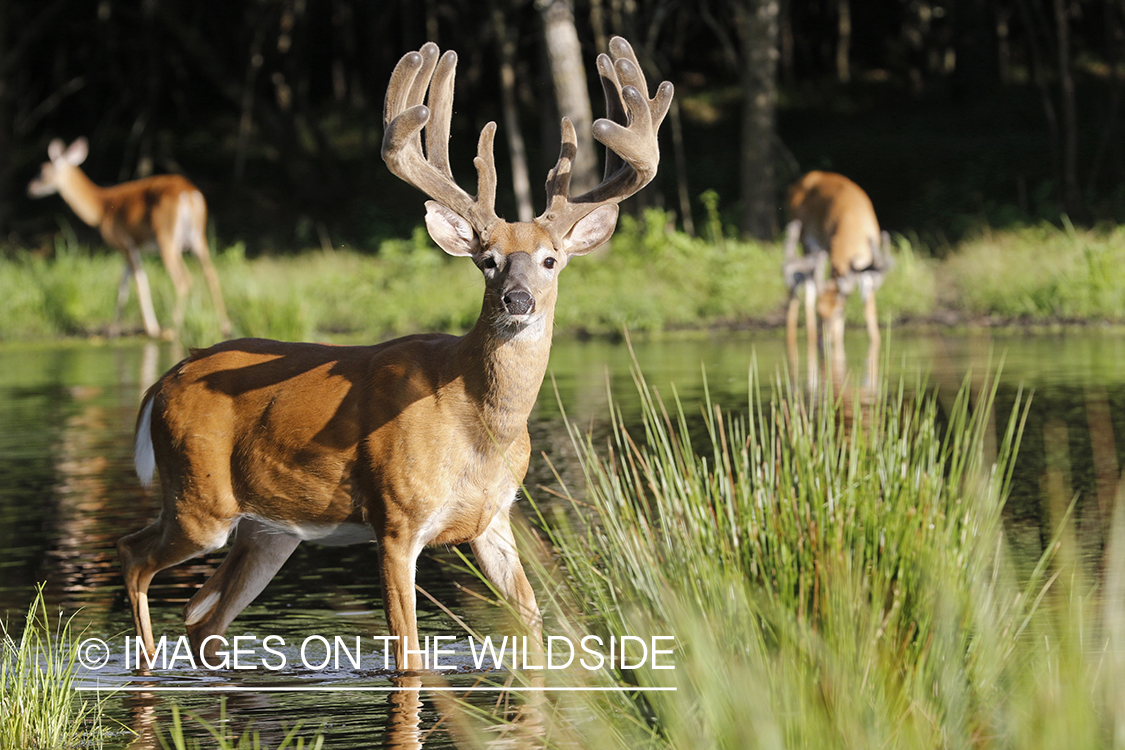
<point x="834" y="220"/>
<point x="413" y="442"/>
<point x="167" y="211"/>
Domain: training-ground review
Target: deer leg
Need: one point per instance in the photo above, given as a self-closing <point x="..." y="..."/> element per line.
<point x="397" y="559"/>
<point x="873" y="338"/>
<point x="173" y="258"/>
<point x="255" y="557"/>
<point x="871" y="316"/>
<point x="837" y="322"/>
<point x="199" y="247"/>
<point x="144" y="294"/>
<point x="122" y="298"/>
<point x="496" y="552"/>
<point x="145" y="553"/>
<point x="812" y="340"/>
<point x="791" y="322"/>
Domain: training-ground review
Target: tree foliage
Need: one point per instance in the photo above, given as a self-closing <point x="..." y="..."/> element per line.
<point x="274" y="106"/>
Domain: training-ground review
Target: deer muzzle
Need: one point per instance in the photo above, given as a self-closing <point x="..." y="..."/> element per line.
<point x="518" y="302"/>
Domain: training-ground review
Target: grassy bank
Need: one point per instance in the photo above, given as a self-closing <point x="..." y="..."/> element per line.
<point x="651" y="279"/>
<point x="831" y="581"/>
<point x="39" y="707"/>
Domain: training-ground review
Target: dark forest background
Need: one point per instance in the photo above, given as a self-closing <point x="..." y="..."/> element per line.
<point x="953" y="114"/>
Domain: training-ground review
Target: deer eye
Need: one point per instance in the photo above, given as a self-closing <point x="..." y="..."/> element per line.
<point x="488" y="263"/>
<point x="549" y="263"/>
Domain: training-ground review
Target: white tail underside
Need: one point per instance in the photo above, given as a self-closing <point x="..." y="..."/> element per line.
<point x="144" y="460"/>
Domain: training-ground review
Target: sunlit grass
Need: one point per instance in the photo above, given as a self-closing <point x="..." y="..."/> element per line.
<point x="651" y="278"/>
<point x="1039" y="273"/>
<point x="838" y="577"/>
<point x="39" y="707"/>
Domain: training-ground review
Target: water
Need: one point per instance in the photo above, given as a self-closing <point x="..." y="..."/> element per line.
<point x="68" y="492"/>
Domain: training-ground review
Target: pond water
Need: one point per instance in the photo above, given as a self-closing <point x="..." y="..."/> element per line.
<point x="68" y="492"/>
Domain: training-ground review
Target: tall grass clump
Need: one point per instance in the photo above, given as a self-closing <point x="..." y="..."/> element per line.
<point x="38" y="668"/>
<point x="833" y="577"/>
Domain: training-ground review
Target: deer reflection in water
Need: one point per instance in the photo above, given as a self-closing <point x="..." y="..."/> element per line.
<point x="419" y="711"/>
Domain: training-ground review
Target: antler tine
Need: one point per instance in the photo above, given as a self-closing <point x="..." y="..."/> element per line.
<point x="629" y="133"/>
<point x="404" y="118"/>
<point x="558" y="179"/>
<point x="614" y="106"/>
<point x="485" y="162"/>
<point x="441" y="107"/>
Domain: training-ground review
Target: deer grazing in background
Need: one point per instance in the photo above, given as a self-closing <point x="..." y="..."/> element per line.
<point x="834" y="220"/>
<point x="413" y="442"/>
<point x="167" y="211"/>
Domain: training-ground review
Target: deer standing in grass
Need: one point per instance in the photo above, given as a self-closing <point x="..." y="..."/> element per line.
<point x="167" y="211"/>
<point x="833" y="219"/>
<point x="413" y="442"/>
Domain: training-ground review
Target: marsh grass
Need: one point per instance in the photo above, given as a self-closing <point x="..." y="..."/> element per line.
<point x="39" y="707"/>
<point x="834" y="577"/>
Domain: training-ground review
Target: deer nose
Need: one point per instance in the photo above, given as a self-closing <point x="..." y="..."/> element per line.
<point x="518" y="302"/>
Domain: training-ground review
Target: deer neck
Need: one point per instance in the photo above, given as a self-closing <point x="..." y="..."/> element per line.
<point x="504" y="368"/>
<point x="81" y="194"/>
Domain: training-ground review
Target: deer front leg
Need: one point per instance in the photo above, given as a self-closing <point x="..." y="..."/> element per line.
<point x="812" y="339"/>
<point x="873" y="339"/>
<point x="398" y="556"/>
<point x="496" y="552"/>
<point x="792" y="320"/>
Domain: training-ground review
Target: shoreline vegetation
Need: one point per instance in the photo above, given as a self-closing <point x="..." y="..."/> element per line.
<point x="652" y="279"/>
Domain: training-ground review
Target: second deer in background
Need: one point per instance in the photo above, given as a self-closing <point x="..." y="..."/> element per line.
<point x="167" y="211"/>
<point x="833" y="219"/>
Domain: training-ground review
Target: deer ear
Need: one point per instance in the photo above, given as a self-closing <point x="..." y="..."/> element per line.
<point x="55" y="149"/>
<point x="76" y="153"/>
<point x="453" y="234"/>
<point x="592" y="231"/>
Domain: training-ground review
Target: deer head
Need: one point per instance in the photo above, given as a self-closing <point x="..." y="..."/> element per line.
<point x="520" y="261"/>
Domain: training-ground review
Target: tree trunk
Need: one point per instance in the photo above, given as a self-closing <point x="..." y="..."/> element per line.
<point x="1072" y="196"/>
<point x="681" y="167"/>
<point x="6" y="125"/>
<point x="521" y="183"/>
<point x="756" y="22"/>
<point x="843" y="40"/>
<point x="569" y="76"/>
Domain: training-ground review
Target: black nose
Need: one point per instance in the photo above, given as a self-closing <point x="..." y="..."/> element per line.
<point x="519" y="302"/>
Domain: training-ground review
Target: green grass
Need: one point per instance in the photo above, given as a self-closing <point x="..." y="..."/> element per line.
<point x="38" y="706"/>
<point x="248" y="740"/>
<point x="1040" y="274"/>
<point x="651" y="278"/>
<point x="839" y="578"/>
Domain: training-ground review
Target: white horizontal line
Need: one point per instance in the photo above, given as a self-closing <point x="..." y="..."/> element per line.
<point x="361" y="689"/>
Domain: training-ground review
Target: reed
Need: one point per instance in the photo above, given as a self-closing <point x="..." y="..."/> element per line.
<point x="836" y="576"/>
